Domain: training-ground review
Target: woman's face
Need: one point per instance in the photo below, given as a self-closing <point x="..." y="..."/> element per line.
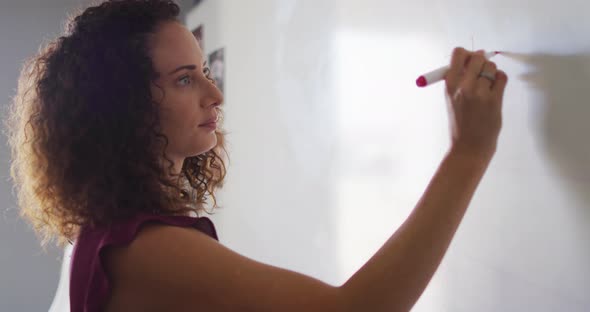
<point x="188" y="99"/>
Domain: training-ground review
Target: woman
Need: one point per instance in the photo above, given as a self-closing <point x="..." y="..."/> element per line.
<point x="116" y="147"/>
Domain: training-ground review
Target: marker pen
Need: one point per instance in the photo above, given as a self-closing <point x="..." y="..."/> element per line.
<point x="439" y="74"/>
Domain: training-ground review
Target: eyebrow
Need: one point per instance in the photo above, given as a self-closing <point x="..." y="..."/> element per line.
<point x="191" y="67"/>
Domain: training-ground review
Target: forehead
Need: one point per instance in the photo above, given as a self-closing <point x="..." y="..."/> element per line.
<point x="174" y="45"/>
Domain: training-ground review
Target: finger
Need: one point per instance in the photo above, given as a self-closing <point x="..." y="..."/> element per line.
<point x="500" y="84"/>
<point x="472" y="53"/>
<point x="474" y="67"/>
<point x="484" y="82"/>
<point x="458" y="60"/>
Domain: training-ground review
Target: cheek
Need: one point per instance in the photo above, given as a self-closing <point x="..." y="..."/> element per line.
<point x="174" y="124"/>
<point x="181" y="115"/>
<point x="179" y="111"/>
<point x="183" y="123"/>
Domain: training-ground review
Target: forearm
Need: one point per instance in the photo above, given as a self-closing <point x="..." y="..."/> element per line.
<point x="395" y="277"/>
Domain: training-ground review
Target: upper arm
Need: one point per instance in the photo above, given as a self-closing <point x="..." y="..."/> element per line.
<point x="183" y="268"/>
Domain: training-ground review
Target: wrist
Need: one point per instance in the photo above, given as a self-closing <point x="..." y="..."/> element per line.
<point x="479" y="156"/>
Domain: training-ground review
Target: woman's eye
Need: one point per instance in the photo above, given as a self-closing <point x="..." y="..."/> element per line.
<point x="184" y="79"/>
<point x="207" y="71"/>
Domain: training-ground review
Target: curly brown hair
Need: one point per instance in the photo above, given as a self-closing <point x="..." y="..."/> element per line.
<point x="83" y="128"/>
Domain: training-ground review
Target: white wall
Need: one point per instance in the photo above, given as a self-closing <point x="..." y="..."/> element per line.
<point x="332" y="144"/>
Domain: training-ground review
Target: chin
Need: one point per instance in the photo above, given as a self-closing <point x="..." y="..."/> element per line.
<point x="204" y="149"/>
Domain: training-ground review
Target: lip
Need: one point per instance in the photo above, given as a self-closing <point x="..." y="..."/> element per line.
<point x="212" y="120"/>
<point x="210" y="125"/>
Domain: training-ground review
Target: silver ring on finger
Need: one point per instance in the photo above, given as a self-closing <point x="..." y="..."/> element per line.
<point x="491" y="77"/>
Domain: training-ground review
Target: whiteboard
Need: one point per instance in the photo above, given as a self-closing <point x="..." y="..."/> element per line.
<point x="332" y="144"/>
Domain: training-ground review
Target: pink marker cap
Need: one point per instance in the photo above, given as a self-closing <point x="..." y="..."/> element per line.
<point x="421" y="81"/>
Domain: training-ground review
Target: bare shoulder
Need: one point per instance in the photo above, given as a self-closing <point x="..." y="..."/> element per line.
<point x="181" y="269"/>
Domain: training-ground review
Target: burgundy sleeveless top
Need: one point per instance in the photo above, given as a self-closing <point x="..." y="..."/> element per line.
<point x="89" y="285"/>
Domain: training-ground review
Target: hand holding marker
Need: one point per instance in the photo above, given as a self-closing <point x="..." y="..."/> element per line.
<point x="439" y="74"/>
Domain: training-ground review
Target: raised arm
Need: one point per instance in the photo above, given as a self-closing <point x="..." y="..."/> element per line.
<point x="395" y="277"/>
<point x="178" y="269"/>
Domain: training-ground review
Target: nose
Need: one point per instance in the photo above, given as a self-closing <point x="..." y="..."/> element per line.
<point x="214" y="96"/>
